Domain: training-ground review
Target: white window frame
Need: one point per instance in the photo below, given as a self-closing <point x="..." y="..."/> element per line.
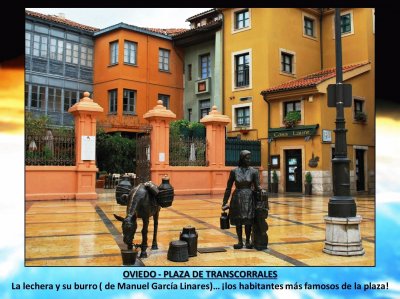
<point x="129" y="47"/>
<point x="316" y="33"/>
<point x="233" y="18"/>
<point x="235" y="126"/>
<point x="114" y="52"/>
<point x="285" y="51"/>
<point x="161" y="52"/>
<point x="233" y="59"/>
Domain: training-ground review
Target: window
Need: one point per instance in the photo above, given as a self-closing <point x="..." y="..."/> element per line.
<point x="114" y="53"/>
<point x="130" y="49"/>
<point x="165" y="99"/>
<point x="70" y="98"/>
<point x="54" y="100"/>
<point x="56" y="49"/>
<point x="242" y="67"/>
<point x="26" y="95"/>
<point x="242" y="116"/>
<point x="163" y="60"/>
<point x="189" y="72"/>
<point x="190" y="114"/>
<point x="205" y="66"/>
<point x="129" y="102"/>
<point x="242" y="19"/>
<point x="112" y="101"/>
<point x="358" y="106"/>
<point x="28" y="38"/>
<point x="86" y="56"/>
<point x="71" y="53"/>
<point x="40" y="45"/>
<point x="292" y="106"/>
<point x="308" y="26"/>
<point x="345" y="23"/>
<point x="204" y="106"/>
<point x="38" y="98"/>
<point x="286" y="63"/>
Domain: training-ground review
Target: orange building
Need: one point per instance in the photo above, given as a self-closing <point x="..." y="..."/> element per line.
<point x="134" y="67"/>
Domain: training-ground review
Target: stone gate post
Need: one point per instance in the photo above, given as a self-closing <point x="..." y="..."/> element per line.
<point x="215" y="123"/>
<point x="159" y="118"/>
<point x="85" y="112"/>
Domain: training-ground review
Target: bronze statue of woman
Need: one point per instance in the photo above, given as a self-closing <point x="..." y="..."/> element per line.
<point x="242" y="204"/>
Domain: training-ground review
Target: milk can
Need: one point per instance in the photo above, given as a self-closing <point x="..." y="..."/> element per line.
<point x="224" y="221"/>
<point x="190" y="235"/>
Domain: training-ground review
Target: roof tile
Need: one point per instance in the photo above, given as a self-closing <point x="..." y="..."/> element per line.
<point x="311" y="79"/>
<point x="60" y="20"/>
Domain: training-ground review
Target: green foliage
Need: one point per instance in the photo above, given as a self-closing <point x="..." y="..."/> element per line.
<point x="275" y="178"/>
<point x="308" y="177"/>
<point x="114" y="153"/>
<point x="360" y="116"/>
<point x="185" y="128"/>
<point x="292" y="118"/>
<point x="36" y="125"/>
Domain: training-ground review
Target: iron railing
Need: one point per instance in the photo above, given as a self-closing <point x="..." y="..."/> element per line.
<point x="55" y="148"/>
<point x="187" y="151"/>
<point x="233" y="147"/>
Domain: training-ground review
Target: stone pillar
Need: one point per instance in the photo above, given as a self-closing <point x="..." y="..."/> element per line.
<point x="342" y="236"/>
<point x="85" y="112"/>
<point x="215" y="123"/>
<point x="159" y="118"/>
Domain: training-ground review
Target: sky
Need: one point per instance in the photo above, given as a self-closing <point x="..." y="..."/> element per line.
<point x="12" y="268"/>
<point x="141" y="17"/>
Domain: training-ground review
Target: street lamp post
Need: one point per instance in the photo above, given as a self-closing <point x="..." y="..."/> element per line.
<point x="342" y="224"/>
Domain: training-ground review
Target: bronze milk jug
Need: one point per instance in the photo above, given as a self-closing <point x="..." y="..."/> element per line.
<point x="224" y="221"/>
<point x="190" y="235"/>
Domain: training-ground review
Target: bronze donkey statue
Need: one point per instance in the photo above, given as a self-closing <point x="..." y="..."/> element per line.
<point x="145" y="201"/>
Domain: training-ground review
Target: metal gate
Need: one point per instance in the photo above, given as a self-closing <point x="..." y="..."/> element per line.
<point x="143" y="159"/>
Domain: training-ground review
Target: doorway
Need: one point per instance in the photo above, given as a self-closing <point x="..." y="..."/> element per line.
<point x="293" y="171"/>
<point x="360" y="174"/>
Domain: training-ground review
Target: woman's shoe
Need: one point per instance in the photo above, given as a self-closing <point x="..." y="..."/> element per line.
<point x="249" y="245"/>
<point x="238" y="246"/>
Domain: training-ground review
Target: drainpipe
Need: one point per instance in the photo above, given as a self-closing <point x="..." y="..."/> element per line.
<point x="222" y="70"/>
<point x="268" y="141"/>
<point x="320" y="38"/>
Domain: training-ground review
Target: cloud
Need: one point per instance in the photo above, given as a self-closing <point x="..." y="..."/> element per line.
<point x="12" y="262"/>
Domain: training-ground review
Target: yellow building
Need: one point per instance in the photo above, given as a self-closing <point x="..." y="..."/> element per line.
<point x="267" y="48"/>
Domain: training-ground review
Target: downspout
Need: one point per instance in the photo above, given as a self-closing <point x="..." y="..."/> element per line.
<point x="320" y="37"/>
<point x="268" y="141"/>
<point x="222" y="63"/>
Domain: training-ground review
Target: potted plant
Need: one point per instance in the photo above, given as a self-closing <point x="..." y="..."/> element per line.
<point x="275" y="182"/>
<point x="360" y="116"/>
<point x="308" y="183"/>
<point x="292" y="118"/>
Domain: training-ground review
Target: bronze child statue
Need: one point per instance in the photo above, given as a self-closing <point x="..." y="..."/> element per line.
<point x="242" y="204"/>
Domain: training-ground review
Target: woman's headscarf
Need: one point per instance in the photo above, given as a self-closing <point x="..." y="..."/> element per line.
<point x="242" y="155"/>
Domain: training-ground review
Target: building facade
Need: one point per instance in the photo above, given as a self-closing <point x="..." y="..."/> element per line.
<point x="58" y="65"/>
<point x="134" y="68"/>
<point x="266" y="48"/>
<point x="202" y="45"/>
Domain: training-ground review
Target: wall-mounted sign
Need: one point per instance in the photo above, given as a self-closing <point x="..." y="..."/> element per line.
<point x="275" y="161"/>
<point x="326" y="136"/>
<point x="201" y="86"/>
<point x="88" y="148"/>
<point x="298" y="131"/>
<point x="161" y="157"/>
